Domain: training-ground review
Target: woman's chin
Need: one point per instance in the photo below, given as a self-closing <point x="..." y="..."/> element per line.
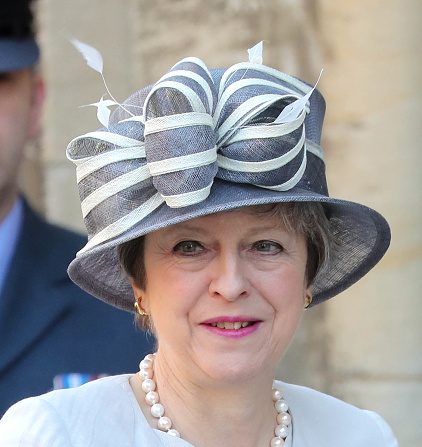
<point x="231" y="368"/>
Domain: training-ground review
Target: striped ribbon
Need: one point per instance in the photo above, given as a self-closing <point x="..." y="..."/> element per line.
<point x="228" y="130"/>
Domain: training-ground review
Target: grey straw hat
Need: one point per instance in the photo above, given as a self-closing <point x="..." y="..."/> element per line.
<point x="202" y="141"/>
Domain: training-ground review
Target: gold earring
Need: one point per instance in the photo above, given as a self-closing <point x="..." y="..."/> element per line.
<point x="139" y="308"/>
<point x="308" y="300"/>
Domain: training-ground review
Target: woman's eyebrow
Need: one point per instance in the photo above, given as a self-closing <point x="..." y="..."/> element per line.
<point x="186" y="227"/>
<point x="182" y="227"/>
<point x="262" y="228"/>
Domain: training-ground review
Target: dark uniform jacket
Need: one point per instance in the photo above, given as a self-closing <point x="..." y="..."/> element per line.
<point x="49" y="327"/>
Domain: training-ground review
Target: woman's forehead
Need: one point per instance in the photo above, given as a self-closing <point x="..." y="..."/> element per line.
<point x="258" y="217"/>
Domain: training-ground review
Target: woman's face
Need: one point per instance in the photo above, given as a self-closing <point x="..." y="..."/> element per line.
<point x="225" y="292"/>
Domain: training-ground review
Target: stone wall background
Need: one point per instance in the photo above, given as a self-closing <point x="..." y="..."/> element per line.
<point x="364" y="345"/>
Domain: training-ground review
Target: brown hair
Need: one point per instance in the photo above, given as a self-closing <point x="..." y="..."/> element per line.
<point x="306" y="218"/>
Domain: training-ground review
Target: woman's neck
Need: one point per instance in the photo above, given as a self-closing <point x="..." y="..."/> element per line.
<point x="236" y="413"/>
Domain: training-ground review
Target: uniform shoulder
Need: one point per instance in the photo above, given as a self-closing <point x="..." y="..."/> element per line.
<point x="337" y="422"/>
<point x="60" y="232"/>
<point x="37" y="233"/>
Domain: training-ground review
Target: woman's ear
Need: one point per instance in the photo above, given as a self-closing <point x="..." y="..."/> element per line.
<point x="141" y="302"/>
<point x="308" y="298"/>
<point x="137" y="291"/>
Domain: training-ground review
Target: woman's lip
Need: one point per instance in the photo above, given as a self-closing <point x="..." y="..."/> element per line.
<point x="233" y="333"/>
<point x="210" y="325"/>
<point x="231" y="319"/>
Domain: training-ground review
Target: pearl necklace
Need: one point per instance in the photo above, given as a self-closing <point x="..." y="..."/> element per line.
<point x="164" y="423"/>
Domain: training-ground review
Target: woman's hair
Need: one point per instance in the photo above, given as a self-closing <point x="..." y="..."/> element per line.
<point x="305" y="218"/>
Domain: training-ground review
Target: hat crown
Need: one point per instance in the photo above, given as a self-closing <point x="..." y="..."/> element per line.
<point x="16" y="19"/>
<point x="18" y="48"/>
<point x="168" y="143"/>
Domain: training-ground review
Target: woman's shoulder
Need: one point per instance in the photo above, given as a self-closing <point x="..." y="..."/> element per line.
<point x="333" y="421"/>
<point x="85" y="396"/>
<point x="55" y="418"/>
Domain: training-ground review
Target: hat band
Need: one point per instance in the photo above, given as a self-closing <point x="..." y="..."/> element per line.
<point x="18" y="54"/>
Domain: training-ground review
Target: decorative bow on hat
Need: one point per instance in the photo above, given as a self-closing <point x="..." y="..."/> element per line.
<point x="245" y="125"/>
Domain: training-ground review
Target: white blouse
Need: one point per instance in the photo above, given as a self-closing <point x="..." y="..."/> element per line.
<point x="105" y="413"/>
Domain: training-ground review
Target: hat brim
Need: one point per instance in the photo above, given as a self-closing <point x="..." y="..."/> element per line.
<point x="18" y="54"/>
<point x="364" y="237"/>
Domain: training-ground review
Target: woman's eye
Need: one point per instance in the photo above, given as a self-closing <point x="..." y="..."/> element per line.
<point x="188" y="247"/>
<point x="267" y="247"/>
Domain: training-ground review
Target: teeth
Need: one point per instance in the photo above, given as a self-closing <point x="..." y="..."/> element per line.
<point x="229" y="325"/>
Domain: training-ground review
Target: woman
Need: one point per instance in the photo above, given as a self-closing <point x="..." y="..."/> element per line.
<point x="208" y="190"/>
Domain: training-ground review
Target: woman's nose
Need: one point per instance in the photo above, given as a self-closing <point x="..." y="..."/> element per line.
<point x="229" y="280"/>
